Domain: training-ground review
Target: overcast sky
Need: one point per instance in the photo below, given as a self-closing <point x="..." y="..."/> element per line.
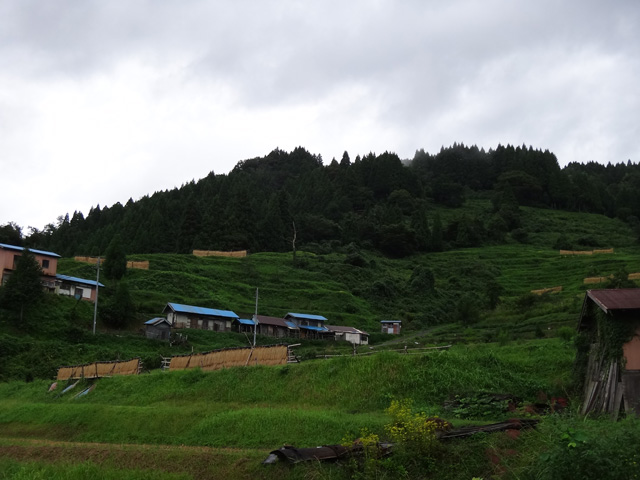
<point x="101" y="101"/>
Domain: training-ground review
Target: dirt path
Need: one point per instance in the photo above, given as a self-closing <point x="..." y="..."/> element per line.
<point x="197" y="461"/>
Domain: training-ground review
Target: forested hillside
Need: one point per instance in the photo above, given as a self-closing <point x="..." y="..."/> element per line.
<point x="374" y="202"/>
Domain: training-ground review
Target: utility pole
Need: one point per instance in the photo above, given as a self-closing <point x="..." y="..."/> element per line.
<point x="95" y="307"/>
<point x="255" y="320"/>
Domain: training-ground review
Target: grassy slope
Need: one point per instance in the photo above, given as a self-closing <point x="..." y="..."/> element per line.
<point x="261" y="408"/>
<point x="255" y="410"/>
<point x="345" y="294"/>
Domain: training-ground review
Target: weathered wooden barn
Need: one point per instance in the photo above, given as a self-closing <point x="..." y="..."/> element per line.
<point x="609" y="351"/>
<point x="158" y="328"/>
<point x="189" y="316"/>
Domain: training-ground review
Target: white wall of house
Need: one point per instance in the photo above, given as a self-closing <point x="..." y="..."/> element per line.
<point x="356" y="338"/>
<point x="71" y="290"/>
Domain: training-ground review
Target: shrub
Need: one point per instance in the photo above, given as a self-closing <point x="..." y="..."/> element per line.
<point x="590" y="450"/>
<point x="414" y="435"/>
<point x="566" y="333"/>
<point x="520" y="235"/>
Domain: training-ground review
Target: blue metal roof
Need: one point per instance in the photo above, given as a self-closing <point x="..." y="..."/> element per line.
<point x="244" y="321"/>
<point x="39" y="252"/>
<point x="84" y="281"/>
<point x="155" y="321"/>
<point x="307" y="316"/>
<point x="390" y="321"/>
<point x="212" y="312"/>
<point x="315" y="329"/>
<point x="290" y="324"/>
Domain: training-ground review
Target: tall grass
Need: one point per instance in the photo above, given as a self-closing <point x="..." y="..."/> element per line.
<point x="14" y="470"/>
<point x="313" y="402"/>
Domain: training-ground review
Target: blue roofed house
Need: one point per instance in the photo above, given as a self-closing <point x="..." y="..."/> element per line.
<point x="80" y="288"/>
<point x="311" y="326"/>
<point x="189" y="316"/>
<point x="269" y="326"/>
<point x="48" y="261"/>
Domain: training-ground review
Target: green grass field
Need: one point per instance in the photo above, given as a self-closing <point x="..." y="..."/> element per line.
<point x="258" y="409"/>
<point x="221" y="424"/>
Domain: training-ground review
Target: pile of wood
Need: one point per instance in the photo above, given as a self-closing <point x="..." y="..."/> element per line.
<point x="332" y="453"/>
<point x="232" y="357"/>
<point x="215" y="253"/>
<point x="542" y="291"/>
<point x="592" y="280"/>
<point x="586" y="252"/>
<point x="604" y="390"/>
<point x="100" y="369"/>
<point x="141" y="265"/>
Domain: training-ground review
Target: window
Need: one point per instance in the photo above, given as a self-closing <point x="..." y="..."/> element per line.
<point x="15" y="261"/>
<point x="45" y="263"/>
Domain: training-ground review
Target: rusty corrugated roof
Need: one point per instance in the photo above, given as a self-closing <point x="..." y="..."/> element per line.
<point x="616" y="299"/>
<point x="266" y="320"/>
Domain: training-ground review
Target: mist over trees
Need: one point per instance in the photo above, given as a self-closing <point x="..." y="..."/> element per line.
<point x="374" y="202"/>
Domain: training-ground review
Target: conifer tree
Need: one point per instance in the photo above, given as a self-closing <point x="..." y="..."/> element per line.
<point x="23" y="290"/>
<point x="115" y="263"/>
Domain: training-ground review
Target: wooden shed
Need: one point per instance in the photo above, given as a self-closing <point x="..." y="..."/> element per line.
<point x="608" y="356"/>
<point x="158" y="328"/>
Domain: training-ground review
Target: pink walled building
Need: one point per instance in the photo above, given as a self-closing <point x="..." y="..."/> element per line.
<point x="48" y="261"/>
<point x="80" y="288"/>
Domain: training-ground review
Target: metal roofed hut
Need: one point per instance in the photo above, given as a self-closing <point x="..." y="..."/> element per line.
<point x="311" y="326"/>
<point x="391" y="326"/>
<point x="158" y="328"/>
<point x="189" y="316"/>
<point x="608" y="357"/>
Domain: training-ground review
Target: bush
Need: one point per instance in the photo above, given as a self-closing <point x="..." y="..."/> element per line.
<point x="592" y="450"/>
<point x="520" y="235"/>
<point x="566" y="333"/>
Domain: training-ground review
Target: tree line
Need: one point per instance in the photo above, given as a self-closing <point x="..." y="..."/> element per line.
<point x="289" y="199"/>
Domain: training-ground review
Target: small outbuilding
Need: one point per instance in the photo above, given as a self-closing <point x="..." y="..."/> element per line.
<point x="242" y="325"/>
<point x="608" y="357"/>
<point x="189" y="316"/>
<point x="349" y="334"/>
<point x="158" y="328"/>
<point x="80" y="288"/>
<point x="391" y="326"/>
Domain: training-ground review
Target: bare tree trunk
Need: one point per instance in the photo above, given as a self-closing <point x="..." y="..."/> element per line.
<point x="293" y="242"/>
